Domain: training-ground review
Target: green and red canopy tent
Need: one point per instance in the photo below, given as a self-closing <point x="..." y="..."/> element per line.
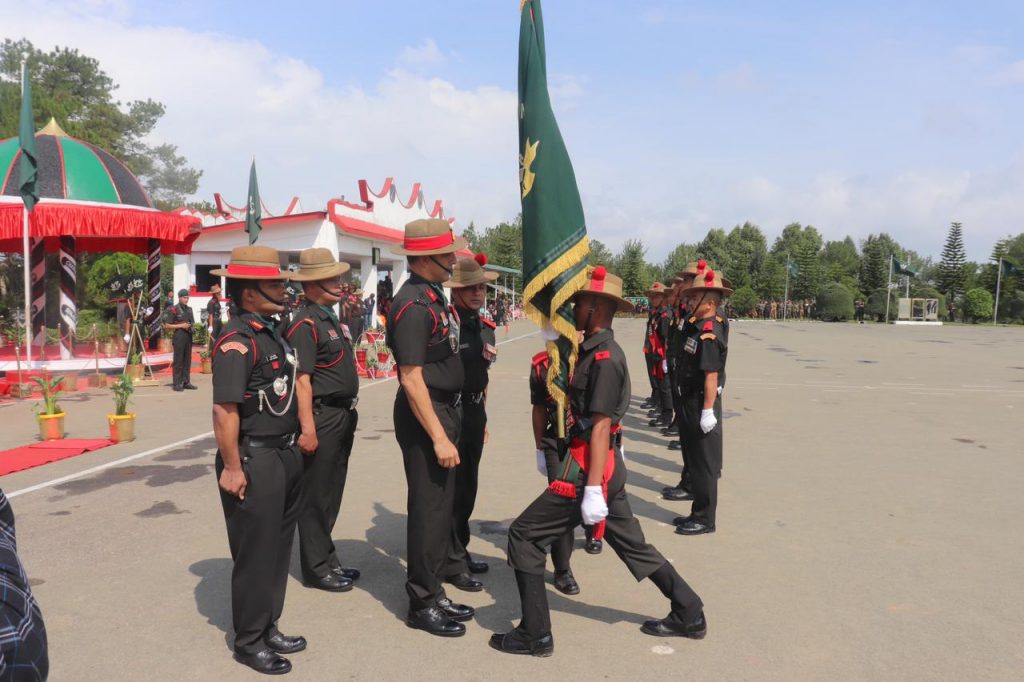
<point x="89" y="202"/>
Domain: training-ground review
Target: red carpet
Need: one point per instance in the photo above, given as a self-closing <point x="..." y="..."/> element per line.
<point x="28" y="456"/>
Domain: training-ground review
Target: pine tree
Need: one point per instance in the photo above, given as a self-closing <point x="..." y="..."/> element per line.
<point x="873" y="268"/>
<point x="632" y="268"/>
<point x="952" y="276"/>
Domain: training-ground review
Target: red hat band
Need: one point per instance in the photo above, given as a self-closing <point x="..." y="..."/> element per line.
<point x="429" y="243"/>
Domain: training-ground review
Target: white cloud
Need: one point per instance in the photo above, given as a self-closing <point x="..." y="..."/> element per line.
<point x="425" y="55"/>
<point x="1010" y="74"/>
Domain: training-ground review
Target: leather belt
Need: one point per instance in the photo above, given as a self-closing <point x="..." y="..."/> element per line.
<point x="451" y="399"/>
<point x="336" y="401"/>
<point x="275" y="442"/>
<point x="473" y="398"/>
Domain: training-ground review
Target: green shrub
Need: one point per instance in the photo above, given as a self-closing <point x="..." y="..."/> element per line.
<point x="86" y="319"/>
<point x="835" y="303"/>
<point x="977" y="305"/>
<point x="743" y="301"/>
<point x="876" y="304"/>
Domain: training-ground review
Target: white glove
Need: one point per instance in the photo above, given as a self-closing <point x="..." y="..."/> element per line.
<point x="707" y="420"/>
<point x="719" y="390"/>
<point x="542" y="463"/>
<point x="126" y="337"/>
<point x="664" y="365"/>
<point x="594" y="509"/>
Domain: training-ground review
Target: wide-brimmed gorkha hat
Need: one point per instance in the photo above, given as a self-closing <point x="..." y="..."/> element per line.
<point x="602" y="283"/>
<point x="469" y="272"/>
<point x="429" y="237"/>
<point x="215" y="289"/>
<point x="656" y="288"/>
<point x="318" y="264"/>
<point x="253" y="262"/>
<point x="710" y="281"/>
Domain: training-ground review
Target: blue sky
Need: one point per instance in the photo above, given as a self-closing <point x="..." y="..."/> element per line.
<point x="679" y="116"/>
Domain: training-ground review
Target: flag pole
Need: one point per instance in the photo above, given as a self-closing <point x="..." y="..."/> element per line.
<point x="785" y="296"/>
<point x="27" y="275"/>
<point x="999" y="281"/>
<point x="887" y="292"/>
<point x="908" y="277"/>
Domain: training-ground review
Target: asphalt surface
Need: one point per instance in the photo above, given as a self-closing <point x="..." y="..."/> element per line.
<point x="868" y="528"/>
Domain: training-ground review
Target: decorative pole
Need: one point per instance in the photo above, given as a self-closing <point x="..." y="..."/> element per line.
<point x="68" y="307"/>
<point x="153" y="281"/>
<point x="37" y="266"/>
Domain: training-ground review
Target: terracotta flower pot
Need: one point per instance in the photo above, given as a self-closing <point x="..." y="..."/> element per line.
<point x="51" y="426"/>
<point x="70" y="383"/>
<point x="97" y="380"/>
<point x="361" y="357"/>
<point x="206" y="366"/>
<point x="383" y="356"/>
<point x="122" y="427"/>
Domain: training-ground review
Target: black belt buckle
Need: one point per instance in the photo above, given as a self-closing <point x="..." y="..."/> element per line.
<point x="275" y="442"/>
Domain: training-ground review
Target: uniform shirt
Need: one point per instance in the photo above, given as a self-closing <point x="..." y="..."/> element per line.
<point x="649" y="330"/>
<point x="179" y="313"/>
<point x="675" y="336"/>
<point x="539" y="394"/>
<point x="421" y="331"/>
<point x="213" y="311"/>
<point x="249" y="356"/>
<point x="600" y="382"/>
<point x="23" y="647"/>
<point x="324" y="352"/>
<point x="476" y="349"/>
<point x="704" y="350"/>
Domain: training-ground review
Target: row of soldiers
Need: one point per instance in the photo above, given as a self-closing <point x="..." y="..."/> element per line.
<point x="685" y="348"/>
<point x="285" y="414"/>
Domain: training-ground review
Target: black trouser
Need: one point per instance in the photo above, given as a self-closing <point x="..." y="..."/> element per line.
<point x="649" y="359"/>
<point x="547" y="519"/>
<point x="215" y="331"/>
<point x="430" y="501"/>
<point x="182" y="343"/>
<point x="677" y="404"/>
<point x="561" y="548"/>
<point x="703" y="456"/>
<point x="323" y="479"/>
<point x="471" y="447"/>
<point x="260" y="532"/>
<point x="664" y="387"/>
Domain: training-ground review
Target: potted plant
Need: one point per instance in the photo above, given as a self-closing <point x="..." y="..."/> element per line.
<point x="122" y="422"/>
<point x="205" y="361"/>
<point x="50" y="417"/>
<point x="135" y="369"/>
<point x="110" y="332"/>
<point x="361" y="356"/>
<point x="371" y="366"/>
<point x="70" y="384"/>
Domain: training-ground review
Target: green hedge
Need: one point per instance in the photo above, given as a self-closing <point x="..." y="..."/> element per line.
<point x="835" y="303"/>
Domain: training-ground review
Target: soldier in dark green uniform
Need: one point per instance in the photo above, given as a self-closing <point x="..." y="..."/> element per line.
<point x="683" y="280"/>
<point x="701" y="378"/>
<point x="591" y="486"/>
<point x="327" y="390"/>
<point x="259" y="468"/>
<point x="423" y="333"/>
<point x="213" y="310"/>
<point x="180" y="318"/>
<point x="657" y="339"/>
<point x="477" y="350"/>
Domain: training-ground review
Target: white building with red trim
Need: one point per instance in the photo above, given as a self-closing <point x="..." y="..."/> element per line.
<point x="358" y="233"/>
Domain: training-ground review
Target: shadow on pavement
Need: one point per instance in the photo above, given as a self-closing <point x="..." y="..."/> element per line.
<point x="213" y="594"/>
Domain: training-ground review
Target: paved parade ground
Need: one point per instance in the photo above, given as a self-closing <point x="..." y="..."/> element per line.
<point x="868" y="528"/>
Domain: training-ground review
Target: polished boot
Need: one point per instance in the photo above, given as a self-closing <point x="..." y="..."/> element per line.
<point x="332" y="582"/>
<point x="675" y="445"/>
<point x="515" y="642"/>
<point x="668" y="627"/>
<point x="566" y="583"/>
<point x="283" y="644"/>
<point x="265" y="661"/>
<point x="433" y="620"/>
<point x="692" y="527"/>
<point x="351" y="574"/>
<point x="687" y="616"/>
<point x="677" y="494"/>
<point x="536" y="623"/>
<point x="464" y="582"/>
<point x="457" y="612"/>
<point x="476" y="566"/>
<point x="593" y="546"/>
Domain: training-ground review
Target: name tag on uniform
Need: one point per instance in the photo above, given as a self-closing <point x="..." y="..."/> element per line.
<point x="490" y="353"/>
<point x="691" y="345"/>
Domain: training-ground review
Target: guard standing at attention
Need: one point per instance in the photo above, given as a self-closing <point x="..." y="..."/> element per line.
<point x="327" y="390"/>
<point x="180" y="318"/>
<point x="654" y="298"/>
<point x="477" y="350"/>
<point x="657" y="337"/>
<point x="701" y="377"/>
<point x="591" y="485"/>
<point x="258" y="464"/>
<point x="683" y="280"/>
<point x="213" y="312"/>
<point x="423" y="334"/>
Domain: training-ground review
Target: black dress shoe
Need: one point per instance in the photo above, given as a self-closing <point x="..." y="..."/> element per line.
<point x="647" y="404"/>
<point x="593" y="546"/>
<point x="177" y="388"/>
<point x="566" y="583"/>
<point x="515" y="643"/>
<point x="653" y="413"/>
<point x="691" y="527"/>
<point x="464" y="582"/>
<point x="675" y="445"/>
<point x="476" y="566"/>
<point x="190" y="387"/>
<point x="668" y="431"/>
<point x="667" y="627"/>
<point x="350" y="573"/>
<point x="433" y="620"/>
<point x="265" y="661"/>
<point x="680" y="520"/>
<point x="677" y="494"/>
<point x="283" y="644"/>
<point x="332" y="582"/>
<point x="457" y="612"/>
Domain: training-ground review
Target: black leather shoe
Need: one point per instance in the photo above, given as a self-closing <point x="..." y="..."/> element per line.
<point x="666" y="627"/>
<point x="265" y="661"/>
<point x="433" y="620"/>
<point x="190" y="387"/>
<point x="177" y="388"/>
<point x="680" y="520"/>
<point x="668" y="431"/>
<point x="332" y="582"/>
<point x="283" y="644"/>
<point x="675" y="445"/>
<point x="464" y="582"/>
<point x="677" y="494"/>
<point x="653" y="413"/>
<point x="457" y="612"/>
<point x="691" y="527"/>
<point x="514" y="643"/>
<point x="593" y="546"/>
<point x="350" y="573"/>
<point x="566" y="583"/>
<point x="647" y="404"/>
<point x="476" y="566"/>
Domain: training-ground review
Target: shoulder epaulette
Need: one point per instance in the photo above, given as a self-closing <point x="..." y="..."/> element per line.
<point x="540" y="358"/>
<point x="602" y="355"/>
<point x="488" y="322"/>
<point x="708" y="326"/>
<point x="430" y="294"/>
<point x="255" y="324"/>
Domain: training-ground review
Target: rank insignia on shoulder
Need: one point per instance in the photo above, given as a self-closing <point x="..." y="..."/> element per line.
<point x="602" y="355"/>
<point x="488" y="322"/>
<point x="708" y="337"/>
<point x="234" y="345"/>
<point x="255" y="324"/>
<point x="708" y="326"/>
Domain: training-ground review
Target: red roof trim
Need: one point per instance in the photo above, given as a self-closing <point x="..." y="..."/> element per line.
<point x="272" y="220"/>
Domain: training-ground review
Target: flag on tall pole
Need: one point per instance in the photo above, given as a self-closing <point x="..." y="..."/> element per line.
<point x="253" y="207"/>
<point x="555" y="246"/>
<point x="28" y="172"/>
<point x="888" y="287"/>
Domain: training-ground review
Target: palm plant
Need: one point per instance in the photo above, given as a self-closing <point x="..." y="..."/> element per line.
<point x="122" y="389"/>
<point x="50" y="388"/>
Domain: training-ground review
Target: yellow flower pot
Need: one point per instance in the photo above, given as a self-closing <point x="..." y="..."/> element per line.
<point x="51" y="426"/>
<point x="122" y="427"/>
<point x="206" y="366"/>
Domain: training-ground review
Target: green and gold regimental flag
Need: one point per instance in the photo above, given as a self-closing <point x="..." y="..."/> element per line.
<point x="555" y="244"/>
<point x="253" y="207"/>
<point x="28" y="170"/>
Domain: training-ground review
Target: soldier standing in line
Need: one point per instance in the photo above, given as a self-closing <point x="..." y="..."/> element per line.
<point x="213" y="314"/>
<point x="478" y="351"/>
<point x="259" y="468"/>
<point x="683" y="280"/>
<point x="658" y="331"/>
<point x="327" y="390"/>
<point x="180" y="318"/>
<point x="653" y="403"/>
<point x="423" y="333"/>
<point x="591" y="486"/>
